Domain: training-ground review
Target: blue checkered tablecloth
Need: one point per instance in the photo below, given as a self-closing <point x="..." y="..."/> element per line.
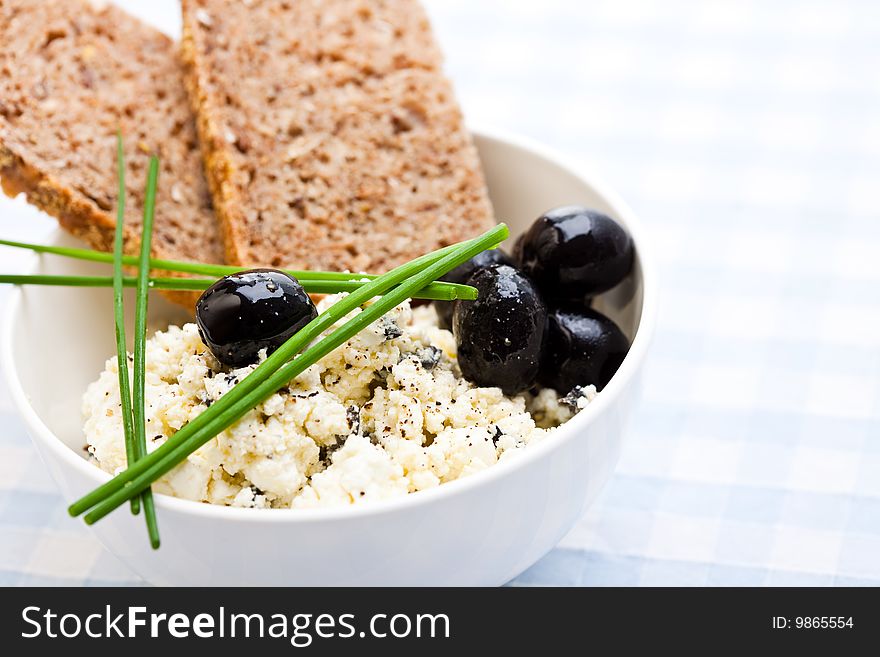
<point x="747" y="136"/>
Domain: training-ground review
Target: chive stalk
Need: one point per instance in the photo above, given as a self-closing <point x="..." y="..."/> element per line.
<point x="317" y="282"/>
<point x="435" y="291"/>
<point x="140" y="340"/>
<point x="119" y="320"/>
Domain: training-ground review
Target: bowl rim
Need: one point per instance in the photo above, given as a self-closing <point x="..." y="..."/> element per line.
<point x="571" y="430"/>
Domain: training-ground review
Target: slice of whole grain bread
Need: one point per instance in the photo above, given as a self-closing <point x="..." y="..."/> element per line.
<point x="331" y="138"/>
<point x="71" y="75"/>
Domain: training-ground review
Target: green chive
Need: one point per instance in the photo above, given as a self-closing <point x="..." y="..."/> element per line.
<point x="436" y="291"/>
<point x="140" y="340"/>
<point x="119" y="318"/>
<point x="313" y="281"/>
<point x="275" y="371"/>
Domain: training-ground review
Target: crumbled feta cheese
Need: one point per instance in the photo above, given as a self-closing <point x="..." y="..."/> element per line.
<point x="386" y="414"/>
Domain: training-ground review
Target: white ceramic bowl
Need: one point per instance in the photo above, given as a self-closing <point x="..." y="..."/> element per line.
<point x="481" y="530"/>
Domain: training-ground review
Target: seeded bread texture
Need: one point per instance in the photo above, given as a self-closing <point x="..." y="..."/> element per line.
<point x="331" y="138"/>
<point x="71" y="75"/>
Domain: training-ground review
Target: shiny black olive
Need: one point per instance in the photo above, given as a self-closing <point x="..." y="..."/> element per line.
<point x="573" y="253"/>
<point x="581" y="348"/>
<point x="463" y="272"/>
<point x="252" y="310"/>
<point x="499" y="336"/>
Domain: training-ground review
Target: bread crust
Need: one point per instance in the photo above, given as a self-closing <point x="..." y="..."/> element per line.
<point x="77" y="215"/>
<point x="227" y="201"/>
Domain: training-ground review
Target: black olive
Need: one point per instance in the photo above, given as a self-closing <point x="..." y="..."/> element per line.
<point x="499" y="335"/>
<point x="463" y="272"/>
<point x="573" y="253"/>
<point x="252" y="310"/>
<point x="582" y="348"/>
